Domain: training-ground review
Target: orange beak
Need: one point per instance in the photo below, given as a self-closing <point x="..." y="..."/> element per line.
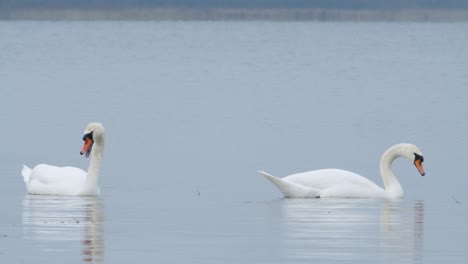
<point x="87" y="146"/>
<point x="419" y="166"/>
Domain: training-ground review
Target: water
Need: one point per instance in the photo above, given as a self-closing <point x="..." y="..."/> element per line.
<point x="193" y="109"/>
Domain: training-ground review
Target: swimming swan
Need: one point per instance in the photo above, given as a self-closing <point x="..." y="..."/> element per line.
<point x="336" y="183"/>
<point x="53" y="180"/>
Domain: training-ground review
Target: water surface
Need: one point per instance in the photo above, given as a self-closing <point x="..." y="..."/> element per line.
<point x="193" y="109"/>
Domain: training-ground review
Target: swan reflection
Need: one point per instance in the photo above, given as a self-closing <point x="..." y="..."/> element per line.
<point x="65" y="224"/>
<point x="402" y="231"/>
<point x="332" y="230"/>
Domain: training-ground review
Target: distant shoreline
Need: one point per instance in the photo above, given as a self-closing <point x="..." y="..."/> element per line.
<point x="238" y="14"/>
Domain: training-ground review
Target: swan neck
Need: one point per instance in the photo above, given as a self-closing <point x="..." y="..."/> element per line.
<point x="92" y="185"/>
<point x="391" y="183"/>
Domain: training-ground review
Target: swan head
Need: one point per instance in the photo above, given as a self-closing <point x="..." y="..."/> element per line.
<point x="413" y="153"/>
<point x="94" y="133"/>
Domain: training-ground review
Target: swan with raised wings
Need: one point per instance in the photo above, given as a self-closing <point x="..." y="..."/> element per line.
<point x="53" y="180"/>
<point x="336" y="183"/>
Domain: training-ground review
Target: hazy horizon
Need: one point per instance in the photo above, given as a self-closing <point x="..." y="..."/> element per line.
<point x="340" y="4"/>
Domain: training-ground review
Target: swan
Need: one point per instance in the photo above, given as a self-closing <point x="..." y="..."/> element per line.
<point x="53" y="180"/>
<point x="336" y="183"/>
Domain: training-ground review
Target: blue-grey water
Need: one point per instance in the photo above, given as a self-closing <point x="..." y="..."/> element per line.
<point x="193" y="109"/>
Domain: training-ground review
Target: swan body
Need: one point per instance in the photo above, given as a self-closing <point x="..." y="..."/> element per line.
<point x="336" y="183"/>
<point x="53" y="180"/>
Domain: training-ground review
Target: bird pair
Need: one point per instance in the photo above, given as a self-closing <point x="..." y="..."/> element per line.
<point x="326" y="183"/>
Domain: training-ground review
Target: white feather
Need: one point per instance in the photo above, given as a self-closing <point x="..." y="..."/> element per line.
<point x="328" y="183"/>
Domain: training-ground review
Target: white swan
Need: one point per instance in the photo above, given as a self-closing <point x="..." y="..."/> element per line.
<point x="335" y="183"/>
<point x="53" y="180"/>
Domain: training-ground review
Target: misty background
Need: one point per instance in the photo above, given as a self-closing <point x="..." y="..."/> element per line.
<point x="395" y="10"/>
<point x="342" y="4"/>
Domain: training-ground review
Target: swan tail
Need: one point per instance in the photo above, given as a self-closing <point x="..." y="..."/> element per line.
<point x="26" y="172"/>
<point x="291" y="189"/>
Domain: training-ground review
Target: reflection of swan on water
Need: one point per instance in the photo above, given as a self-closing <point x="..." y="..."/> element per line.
<point x="351" y="230"/>
<point x="65" y="223"/>
<point x="336" y="183"/>
<point x="402" y="231"/>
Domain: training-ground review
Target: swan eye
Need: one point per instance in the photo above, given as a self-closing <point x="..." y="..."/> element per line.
<point x="89" y="135"/>
<point x="418" y="157"/>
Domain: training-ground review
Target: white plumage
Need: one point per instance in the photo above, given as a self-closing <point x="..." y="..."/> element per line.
<point x="53" y="180"/>
<point x="336" y="183"/>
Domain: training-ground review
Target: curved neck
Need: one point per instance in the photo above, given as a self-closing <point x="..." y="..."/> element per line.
<point x="390" y="181"/>
<point x="91" y="186"/>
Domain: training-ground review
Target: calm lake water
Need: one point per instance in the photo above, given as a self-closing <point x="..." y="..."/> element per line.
<point x="193" y="109"/>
